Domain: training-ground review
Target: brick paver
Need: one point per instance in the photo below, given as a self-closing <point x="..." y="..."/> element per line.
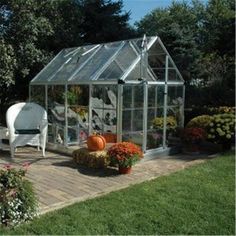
<point x="59" y="182"/>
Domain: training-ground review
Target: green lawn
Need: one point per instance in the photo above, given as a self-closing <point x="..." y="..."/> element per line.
<point x="198" y="200"/>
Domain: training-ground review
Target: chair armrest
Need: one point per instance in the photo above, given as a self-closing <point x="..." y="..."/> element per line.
<point x="43" y="127"/>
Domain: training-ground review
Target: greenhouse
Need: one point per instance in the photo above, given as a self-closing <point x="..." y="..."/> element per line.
<point x="127" y="90"/>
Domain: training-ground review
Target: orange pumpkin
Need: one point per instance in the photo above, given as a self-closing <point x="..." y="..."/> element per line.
<point x="110" y="137"/>
<point x="96" y="142"/>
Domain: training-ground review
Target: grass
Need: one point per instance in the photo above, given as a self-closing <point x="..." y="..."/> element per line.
<point x="198" y="200"/>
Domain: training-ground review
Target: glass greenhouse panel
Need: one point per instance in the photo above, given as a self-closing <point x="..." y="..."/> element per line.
<point x="157" y="61"/>
<point x="155" y="117"/>
<point x="138" y="96"/>
<point x="97" y="61"/>
<point x="135" y="137"/>
<point x="138" y="43"/>
<point x="127" y="96"/>
<point x="156" y="49"/>
<point x="152" y="96"/>
<point x="113" y="71"/>
<point x="78" y="127"/>
<point x="173" y="73"/>
<point x="54" y="66"/>
<point x="78" y="95"/>
<point x="132" y="121"/>
<point x="135" y="74"/>
<point x="77" y="113"/>
<point x="126" y="56"/>
<point x="103" y="104"/>
<point x="157" y="64"/>
<point x="67" y="69"/>
<point x="126" y="121"/>
<point x="56" y="114"/>
<point x="160" y="95"/>
<point x="38" y="94"/>
<point x="159" y="74"/>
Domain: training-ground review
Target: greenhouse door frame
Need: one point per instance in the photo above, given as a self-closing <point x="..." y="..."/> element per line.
<point x="146" y="83"/>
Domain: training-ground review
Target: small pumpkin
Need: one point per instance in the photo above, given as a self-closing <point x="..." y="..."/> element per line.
<point x="96" y="142"/>
<point x="110" y="137"/>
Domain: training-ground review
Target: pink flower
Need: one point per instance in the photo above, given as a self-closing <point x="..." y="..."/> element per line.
<point x="157" y="136"/>
<point x="26" y="165"/>
<point x="7" y="166"/>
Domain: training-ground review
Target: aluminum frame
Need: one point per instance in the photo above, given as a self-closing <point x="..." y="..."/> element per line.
<point x="165" y="102"/>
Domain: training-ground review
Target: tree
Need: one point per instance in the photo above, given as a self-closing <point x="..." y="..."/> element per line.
<point x="25" y="29"/>
<point x="219" y="34"/>
<point x="8" y="64"/>
<point x="201" y="41"/>
<point x="178" y="27"/>
<point x="34" y="31"/>
<point x="104" y="21"/>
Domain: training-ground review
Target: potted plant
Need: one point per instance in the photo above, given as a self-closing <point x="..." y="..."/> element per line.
<point x="125" y="155"/>
<point x="192" y="138"/>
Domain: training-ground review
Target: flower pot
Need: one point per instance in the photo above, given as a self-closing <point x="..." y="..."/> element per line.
<point x="124" y="170"/>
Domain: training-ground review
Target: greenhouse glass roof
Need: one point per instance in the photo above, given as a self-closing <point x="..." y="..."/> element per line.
<point x="108" y="62"/>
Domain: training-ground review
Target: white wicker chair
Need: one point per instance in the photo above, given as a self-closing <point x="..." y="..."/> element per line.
<point x="27" y="124"/>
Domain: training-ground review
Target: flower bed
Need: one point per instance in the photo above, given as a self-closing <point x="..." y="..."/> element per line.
<point x="221" y="129"/>
<point x="17" y="198"/>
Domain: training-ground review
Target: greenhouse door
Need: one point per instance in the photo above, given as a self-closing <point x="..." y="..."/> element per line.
<point x="132" y="114"/>
<point x="155" y="117"/>
<point x="103" y="112"/>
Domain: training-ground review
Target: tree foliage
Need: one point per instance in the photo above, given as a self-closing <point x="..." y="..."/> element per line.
<point x="32" y="32"/>
<point x="200" y="37"/>
<point x="103" y="20"/>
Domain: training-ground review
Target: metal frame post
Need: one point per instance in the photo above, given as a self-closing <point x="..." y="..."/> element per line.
<point x="144" y="75"/>
<point x="119" y="112"/>
<point x="66" y="120"/>
<point x="155" y="112"/>
<point x="165" y="102"/>
<point x="132" y="108"/>
<point x="145" y="110"/>
<point x="30" y="93"/>
<point x="90" y="109"/>
<point x="183" y="105"/>
<point x="46" y="102"/>
<point x="46" y="98"/>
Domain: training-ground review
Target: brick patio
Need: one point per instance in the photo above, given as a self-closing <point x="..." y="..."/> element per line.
<point x="59" y="182"/>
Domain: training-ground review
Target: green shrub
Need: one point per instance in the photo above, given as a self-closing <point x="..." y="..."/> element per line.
<point x="221" y="129"/>
<point x="195" y="111"/>
<point x="97" y="159"/>
<point x="199" y="122"/>
<point x="17" y="199"/>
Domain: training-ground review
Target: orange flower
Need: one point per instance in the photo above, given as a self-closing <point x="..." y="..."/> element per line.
<point x="125" y="153"/>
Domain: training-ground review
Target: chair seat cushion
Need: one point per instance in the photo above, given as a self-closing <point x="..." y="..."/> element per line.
<point x="27" y="131"/>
